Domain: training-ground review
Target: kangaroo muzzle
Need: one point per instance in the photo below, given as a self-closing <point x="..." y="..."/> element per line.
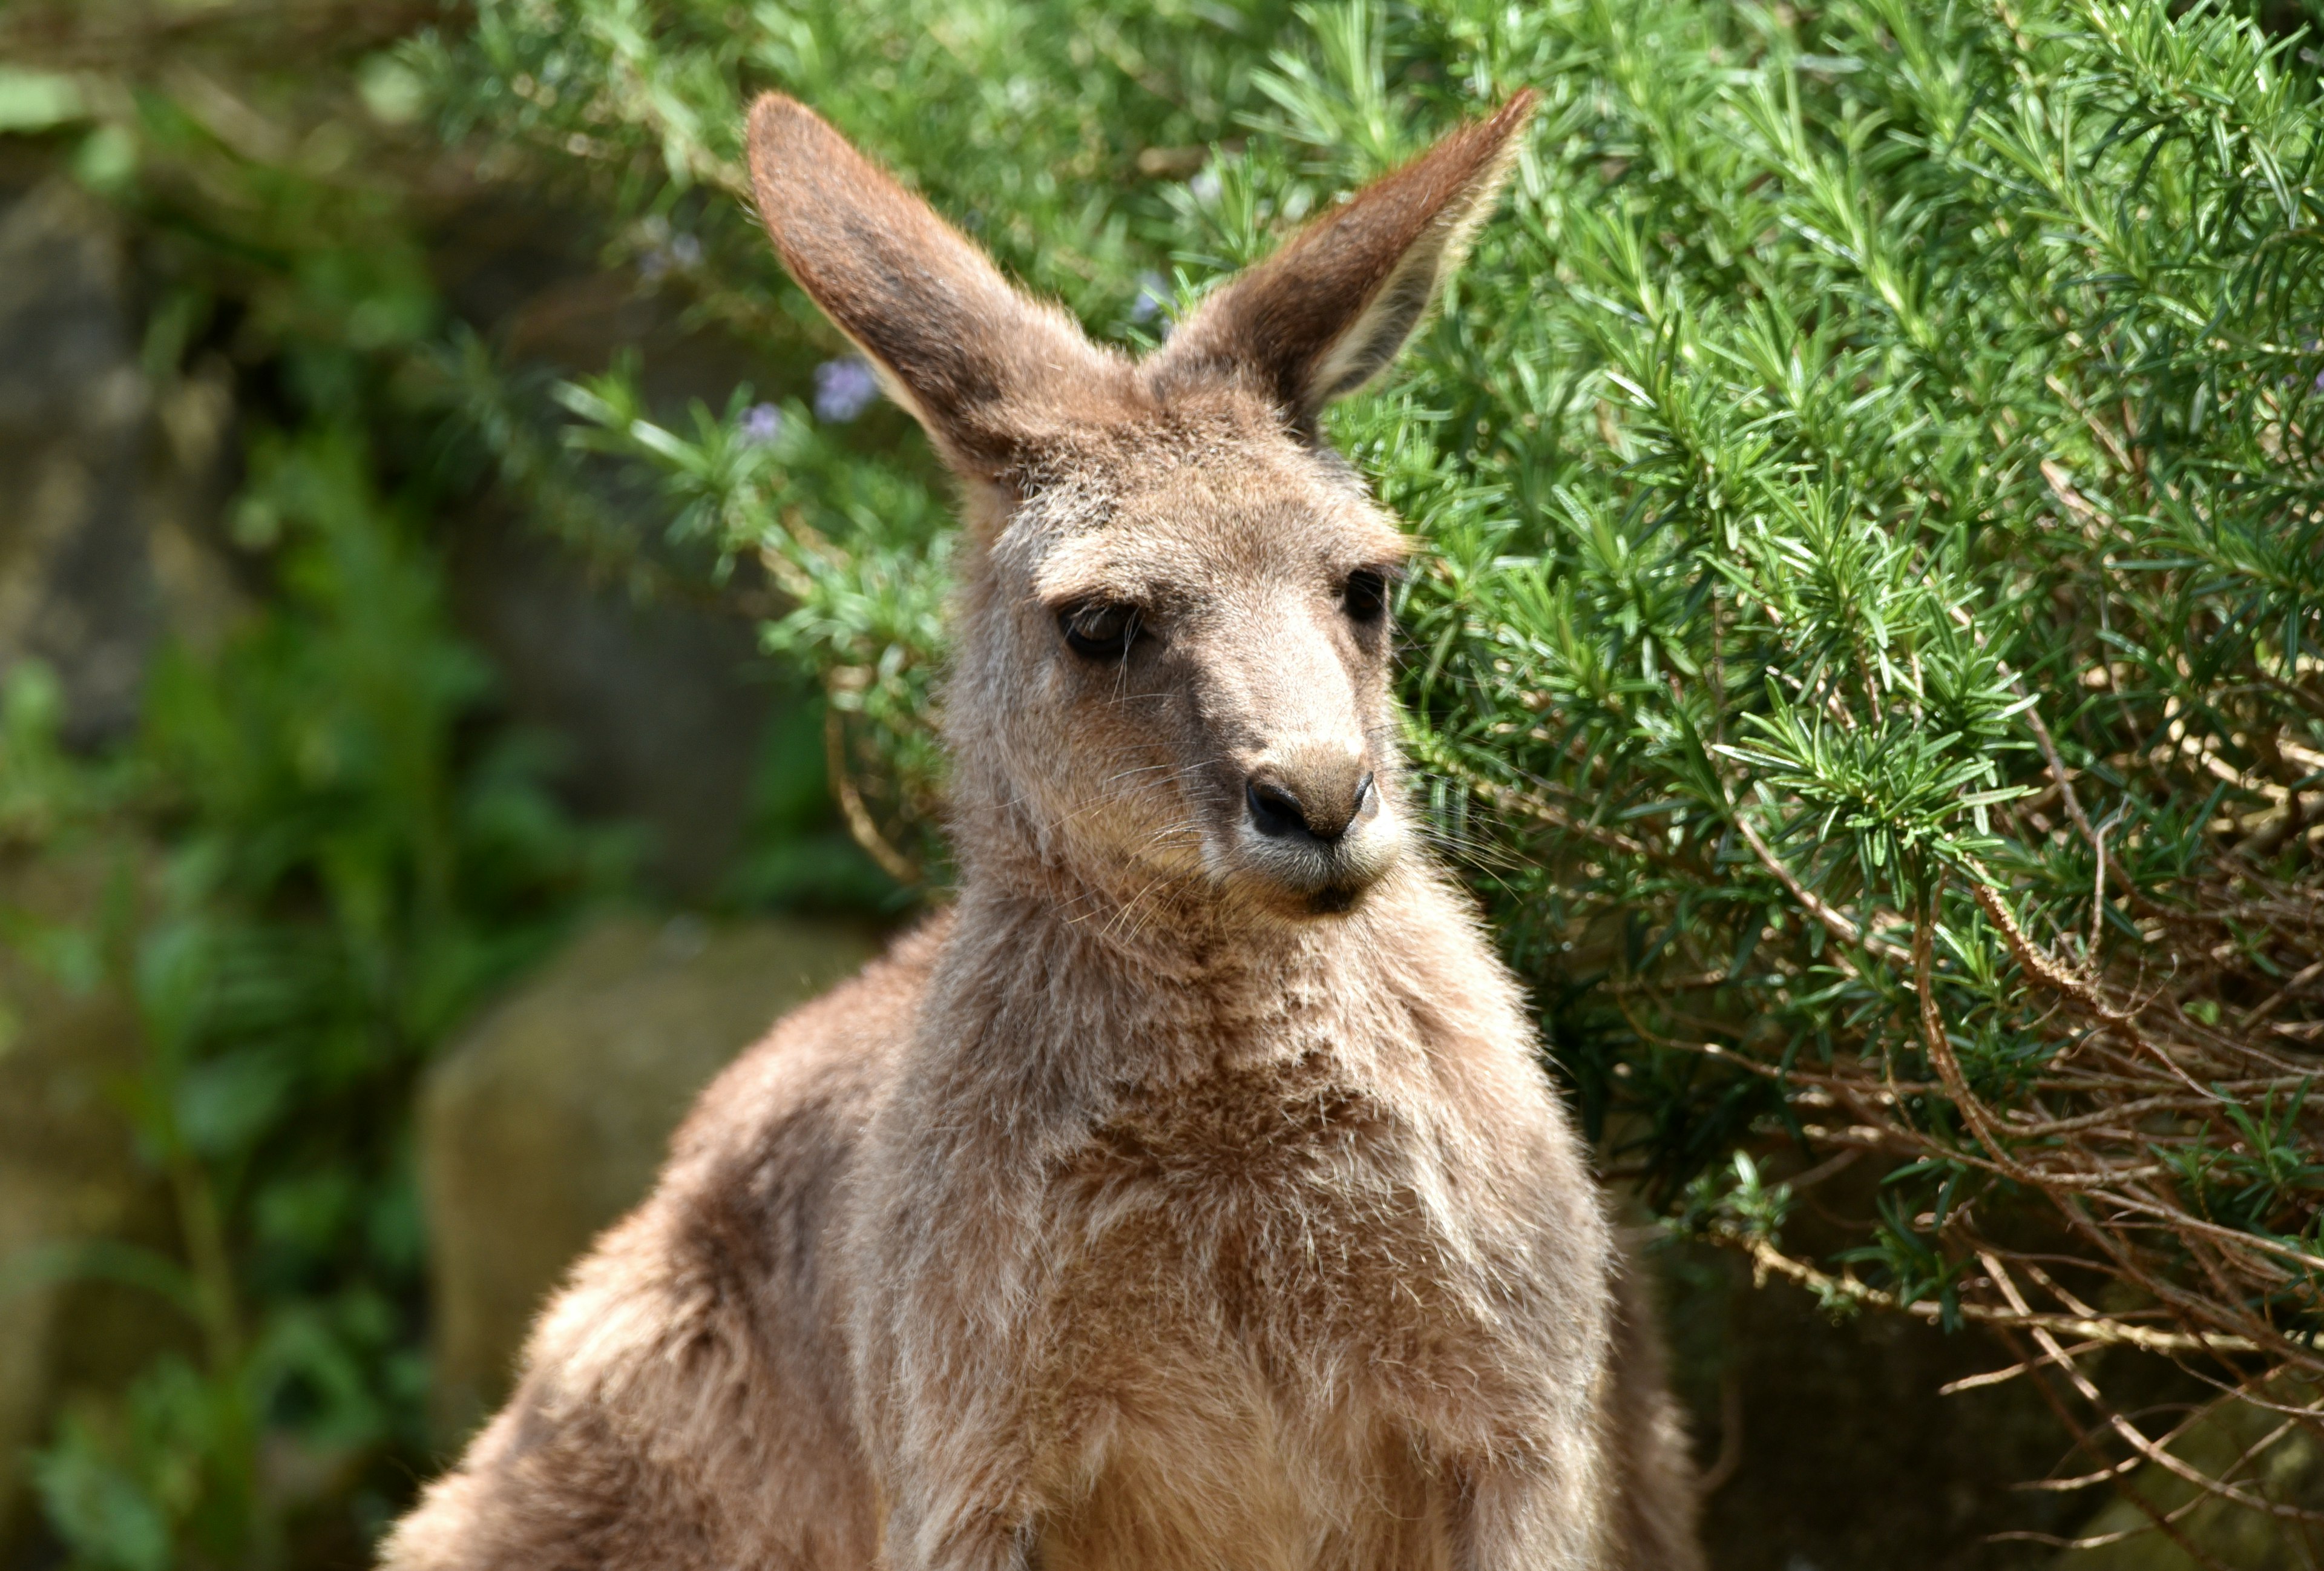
<point x="1323" y="798"/>
<point x="1317" y="831"/>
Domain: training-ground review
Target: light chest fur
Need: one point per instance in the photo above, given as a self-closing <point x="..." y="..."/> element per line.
<point x="1265" y="1258"/>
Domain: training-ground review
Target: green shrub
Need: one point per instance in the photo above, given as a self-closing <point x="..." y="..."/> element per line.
<point x="322" y="848"/>
<point x="340" y="875"/>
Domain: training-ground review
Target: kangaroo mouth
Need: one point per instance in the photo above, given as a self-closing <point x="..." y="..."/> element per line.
<point x="1316" y="881"/>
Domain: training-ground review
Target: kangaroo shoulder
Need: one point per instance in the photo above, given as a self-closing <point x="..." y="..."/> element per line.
<point x="822" y="1062"/>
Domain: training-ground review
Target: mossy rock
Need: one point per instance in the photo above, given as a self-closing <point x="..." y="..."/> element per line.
<point x="547" y="1120"/>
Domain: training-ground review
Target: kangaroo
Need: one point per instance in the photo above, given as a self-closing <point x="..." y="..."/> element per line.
<point x="1189" y="1195"/>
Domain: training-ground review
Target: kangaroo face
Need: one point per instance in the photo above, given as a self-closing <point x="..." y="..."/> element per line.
<point x="1174" y="640"/>
<point x="1200" y="663"/>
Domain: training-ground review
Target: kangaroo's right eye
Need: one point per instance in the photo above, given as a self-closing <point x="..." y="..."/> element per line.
<point x="1100" y="630"/>
<point x="1365" y="593"/>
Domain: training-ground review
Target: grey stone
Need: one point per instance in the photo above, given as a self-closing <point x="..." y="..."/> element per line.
<point x="547" y="1120"/>
<point x="104" y="486"/>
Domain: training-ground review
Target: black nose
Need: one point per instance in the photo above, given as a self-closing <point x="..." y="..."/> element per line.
<point x="1277" y="811"/>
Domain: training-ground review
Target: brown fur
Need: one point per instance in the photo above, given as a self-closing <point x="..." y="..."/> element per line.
<point x="1190" y="1194"/>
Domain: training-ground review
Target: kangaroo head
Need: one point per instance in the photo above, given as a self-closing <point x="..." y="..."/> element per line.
<point x="1173" y="645"/>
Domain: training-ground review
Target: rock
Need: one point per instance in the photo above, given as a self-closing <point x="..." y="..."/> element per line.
<point x="73" y="418"/>
<point x="651" y="702"/>
<point x="2288" y="1470"/>
<point x="102" y="543"/>
<point x="547" y="1121"/>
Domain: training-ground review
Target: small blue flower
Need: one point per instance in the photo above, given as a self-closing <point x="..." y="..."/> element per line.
<point x="681" y="254"/>
<point x="762" y="424"/>
<point x="845" y="388"/>
<point x="1153" y="294"/>
<point x="1205" y="187"/>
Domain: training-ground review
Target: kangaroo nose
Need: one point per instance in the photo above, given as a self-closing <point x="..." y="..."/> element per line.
<point x="1317" y="803"/>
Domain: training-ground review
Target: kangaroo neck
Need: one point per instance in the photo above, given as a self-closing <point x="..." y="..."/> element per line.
<point x="1114" y="990"/>
<point x="1169" y="922"/>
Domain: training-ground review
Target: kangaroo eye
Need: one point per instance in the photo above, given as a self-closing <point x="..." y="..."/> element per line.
<point x="1365" y="595"/>
<point x="1100" y="630"/>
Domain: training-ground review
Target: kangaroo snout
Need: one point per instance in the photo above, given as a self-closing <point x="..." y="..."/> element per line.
<point x="1313" y="825"/>
<point x="1317" y="798"/>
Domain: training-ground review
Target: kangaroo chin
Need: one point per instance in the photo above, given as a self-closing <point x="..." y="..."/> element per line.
<point x="1189" y="1195"/>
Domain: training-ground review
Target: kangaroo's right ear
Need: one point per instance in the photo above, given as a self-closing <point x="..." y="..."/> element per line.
<point x="983" y="367"/>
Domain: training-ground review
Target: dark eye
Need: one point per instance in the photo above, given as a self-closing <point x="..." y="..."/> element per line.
<point x="1365" y="595"/>
<point x="1100" y="630"/>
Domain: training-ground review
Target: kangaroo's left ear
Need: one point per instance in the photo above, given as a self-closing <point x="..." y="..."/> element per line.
<point x="1326" y="314"/>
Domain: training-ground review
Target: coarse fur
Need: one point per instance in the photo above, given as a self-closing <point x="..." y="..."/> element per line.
<point x="1189" y="1195"/>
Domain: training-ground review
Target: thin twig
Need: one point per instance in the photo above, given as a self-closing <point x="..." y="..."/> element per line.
<point x="860" y="823"/>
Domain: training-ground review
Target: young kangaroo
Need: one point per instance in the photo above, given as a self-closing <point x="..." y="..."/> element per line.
<point x="1190" y="1197"/>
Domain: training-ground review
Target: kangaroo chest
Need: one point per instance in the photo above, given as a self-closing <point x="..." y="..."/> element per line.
<point x="1235" y="1193"/>
<point x="1260" y="1310"/>
<point x="1283" y="1226"/>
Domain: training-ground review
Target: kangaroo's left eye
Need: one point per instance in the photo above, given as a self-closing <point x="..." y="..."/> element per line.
<point x="1100" y="630"/>
<point x="1365" y="595"/>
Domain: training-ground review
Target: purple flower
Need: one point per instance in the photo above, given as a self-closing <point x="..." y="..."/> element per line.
<point x="845" y="388"/>
<point x="1153" y="294"/>
<point x="682" y="254"/>
<point x="762" y="424"/>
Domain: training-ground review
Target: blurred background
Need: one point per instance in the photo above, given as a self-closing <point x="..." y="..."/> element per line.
<point x="415" y="778"/>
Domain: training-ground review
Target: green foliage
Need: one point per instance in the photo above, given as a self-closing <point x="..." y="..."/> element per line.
<point x="1746" y="1204"/>
<point x="860" y="556"/>
<point x="1026" y="119"/>
<point x="327" y="844"/>
<point x="342" y="875"/>
<point x="1032" y="127"/>
<point x="794" y="855"/>
<point x="322" y="848"/>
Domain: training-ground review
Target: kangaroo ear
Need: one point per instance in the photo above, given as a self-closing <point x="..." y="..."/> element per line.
<point x="983" y="367"/>
<point x="1326" y="314"/>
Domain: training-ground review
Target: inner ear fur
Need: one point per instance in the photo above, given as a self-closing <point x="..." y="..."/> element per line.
<point x="1327" y="312"/>
<point x="980" y="366"/>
